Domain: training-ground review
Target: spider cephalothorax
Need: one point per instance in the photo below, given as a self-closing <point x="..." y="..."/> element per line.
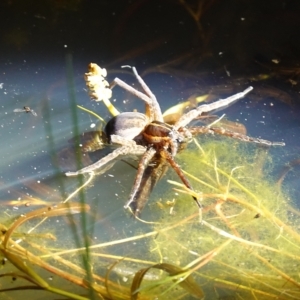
<point x="150" y="138"/>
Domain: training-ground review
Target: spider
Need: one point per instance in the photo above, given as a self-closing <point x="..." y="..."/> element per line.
<point x="154" y="141"/>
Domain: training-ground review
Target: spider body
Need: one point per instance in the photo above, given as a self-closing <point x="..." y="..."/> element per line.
<point x="155" y="142"/>
<point x="157" y="132"/>
<point x="162" y="136"/>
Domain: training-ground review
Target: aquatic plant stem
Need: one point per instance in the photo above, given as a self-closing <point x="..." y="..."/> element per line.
<point x="130" y="239"/>
<point x="72" y="99"/>
<point x="92" y="113"/>
<point x="243" y="241"/>
<point x="223" y="217"/>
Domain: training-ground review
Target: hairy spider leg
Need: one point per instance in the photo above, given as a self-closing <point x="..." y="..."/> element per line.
<point x="179" y="172"/>
<point x="194" y="113"/>
<point x="158" y="116"/>
<point x="153" y="110"/>
<point x="143" y="163"/>
<point x="156" y="168"/>
<point x="232" y="134"/>
<point x="136" y="93"/>
<point x="129" y="148"/>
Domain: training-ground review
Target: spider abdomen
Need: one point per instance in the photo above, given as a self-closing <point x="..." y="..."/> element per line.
<point x="127" y="125"/>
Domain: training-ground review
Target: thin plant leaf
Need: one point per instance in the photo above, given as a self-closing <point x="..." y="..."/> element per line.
<point x="92" y="113"/>
<point x="187" y="283"/>
<point x="50" y="211"/>
<point x="21" y="288"/>
<point x="23" y="266"/>
<point x="39" y="281"/>
<point x="107" y="277"/>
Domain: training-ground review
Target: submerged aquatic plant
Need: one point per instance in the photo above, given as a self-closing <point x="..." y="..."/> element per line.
<point x="245" y="244"/>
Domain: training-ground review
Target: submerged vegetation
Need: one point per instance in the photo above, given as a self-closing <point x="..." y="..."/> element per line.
<point x="244" y="243"/>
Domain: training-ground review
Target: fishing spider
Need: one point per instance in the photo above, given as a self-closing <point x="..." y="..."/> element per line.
<point x="156" y="142"/>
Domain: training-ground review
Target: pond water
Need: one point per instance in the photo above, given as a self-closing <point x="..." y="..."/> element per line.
<point x="32" y="171"/>
<point x="31" y="142"/>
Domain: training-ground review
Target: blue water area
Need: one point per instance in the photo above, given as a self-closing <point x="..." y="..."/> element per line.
<point x="37" y="150"/>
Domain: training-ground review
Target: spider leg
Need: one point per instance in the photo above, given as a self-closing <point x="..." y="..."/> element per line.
<point x="130" y="89"/>
<point x="158" y="116"/>
<point x="232" y="134"/>
<point x="129" y="147"/>
<point x="194" y="113"/>
<point x="143" y="163"/>
<point x="154" y="171"/>
<point x="179" y="172"/>
<point x="138" y="94"/>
